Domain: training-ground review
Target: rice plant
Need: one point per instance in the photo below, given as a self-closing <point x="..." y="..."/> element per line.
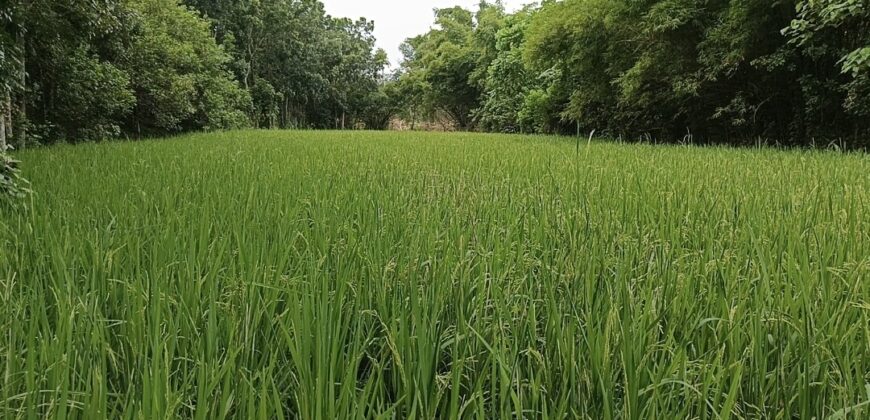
<point x="362" y="275"/>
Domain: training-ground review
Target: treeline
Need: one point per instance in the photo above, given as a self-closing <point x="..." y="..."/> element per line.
<point x="792" y="72"/>
<point x="75" y="70"/>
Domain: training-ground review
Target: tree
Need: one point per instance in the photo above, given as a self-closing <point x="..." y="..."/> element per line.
<point x="672" y="70"/>
<point x="178" y="72"/>
<point x="302" y="67"/>
<point x="445" y="60"/>
<point x="717" y="70"/>
<point x="508" y="82"/>
<point x="837" y="33"/>
<point x="43" y="40"/>
<point x="582" y="46"/>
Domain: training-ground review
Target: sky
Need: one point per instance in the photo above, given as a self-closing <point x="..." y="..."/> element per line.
<point x="397" y="20"/>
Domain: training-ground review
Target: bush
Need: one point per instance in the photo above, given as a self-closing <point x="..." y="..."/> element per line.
<point x="13" y="187"/>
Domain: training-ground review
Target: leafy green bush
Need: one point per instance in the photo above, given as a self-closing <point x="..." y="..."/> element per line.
<point x="179" y="72"/>
<point x="13" y="187"/>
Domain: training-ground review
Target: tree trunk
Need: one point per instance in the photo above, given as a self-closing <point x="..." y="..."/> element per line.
<point x="22" y="104"/>
<point x="6" y="107"/>
<point x="286" y="112"/>
<point x="2" y="126"/>
<point x="342" y="120"/>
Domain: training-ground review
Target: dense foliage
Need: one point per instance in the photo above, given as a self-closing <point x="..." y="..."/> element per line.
<point x="791" y="71"/>
<point x="13" y="187"/>
<point x="74" y="70"/>
<point x="358" y="275"/>
<point x="786" y="71"/>
<point x="302" y="67"/>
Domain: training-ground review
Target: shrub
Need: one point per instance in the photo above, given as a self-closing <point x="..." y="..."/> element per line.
<point x="13" y="187"/>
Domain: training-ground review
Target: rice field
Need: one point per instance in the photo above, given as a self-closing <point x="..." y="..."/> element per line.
<point x="352" y="275"/>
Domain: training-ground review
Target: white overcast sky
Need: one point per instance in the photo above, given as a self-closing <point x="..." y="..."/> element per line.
<point x="396" y="20"/>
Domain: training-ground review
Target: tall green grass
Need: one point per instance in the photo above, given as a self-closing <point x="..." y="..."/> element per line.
<point x="382" y="275"/>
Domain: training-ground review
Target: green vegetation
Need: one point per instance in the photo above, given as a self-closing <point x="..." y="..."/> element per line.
<point x="13" y="188"/>
<point x="790" y="72"/>
<point x="297" y="274"/>
<point x="265" y="274"/>
<point x="73" y="70"/>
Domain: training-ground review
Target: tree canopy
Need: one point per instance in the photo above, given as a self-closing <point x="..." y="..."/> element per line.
<point x="729" y="71"/>
<point x="75" y="71"/>
<point x="794" y="72"/>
